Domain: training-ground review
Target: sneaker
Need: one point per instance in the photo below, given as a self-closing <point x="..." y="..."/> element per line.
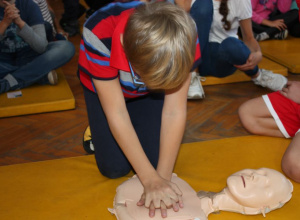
<point x="195" y="90"/>
<point x="87" y="141"/>
<point x="281" y="35"/>
<point x="273" y="81"/>
<point x="52" y="77"/>
<point x="261" y="37"/>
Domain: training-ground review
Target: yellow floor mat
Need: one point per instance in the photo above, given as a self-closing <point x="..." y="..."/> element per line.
<point x="39" y="99"/>
<point x="240" y="76"/>
<point x="72" y="188"/>
<point x="285" y="52"/>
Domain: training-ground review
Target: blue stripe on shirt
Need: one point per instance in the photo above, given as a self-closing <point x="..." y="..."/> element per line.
<point x="96" y="61"/>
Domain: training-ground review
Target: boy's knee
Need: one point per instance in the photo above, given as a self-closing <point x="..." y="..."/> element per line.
<point x="113" y="172"/>
<point x="291" y="168"/>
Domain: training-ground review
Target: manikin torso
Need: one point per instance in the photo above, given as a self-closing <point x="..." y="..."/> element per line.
<point x="129" y="193"/>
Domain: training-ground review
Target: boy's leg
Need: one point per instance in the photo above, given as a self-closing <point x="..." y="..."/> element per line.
<point x="35" y="67"/>
<point x="145" y="115"/>
<point x="271" y="32"/>
<point x="257" y="119"/>
<point x="290" y="163"/>
<point x="110" y="159"/>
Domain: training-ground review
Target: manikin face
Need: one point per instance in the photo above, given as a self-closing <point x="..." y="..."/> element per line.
<point x="259" y="188"/>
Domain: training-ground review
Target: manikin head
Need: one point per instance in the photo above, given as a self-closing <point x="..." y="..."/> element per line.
<point x="264" y="188"/>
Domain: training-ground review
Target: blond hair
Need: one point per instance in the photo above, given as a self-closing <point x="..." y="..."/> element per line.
<point x="160" y="42"/>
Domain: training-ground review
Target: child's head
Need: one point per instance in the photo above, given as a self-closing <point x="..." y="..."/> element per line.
<point x="160" y="42"/>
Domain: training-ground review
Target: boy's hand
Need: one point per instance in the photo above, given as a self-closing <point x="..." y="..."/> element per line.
<point x="292" y="91"/>
<point x="161" y="194"/>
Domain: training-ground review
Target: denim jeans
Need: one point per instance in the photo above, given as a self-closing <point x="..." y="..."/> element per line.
<point x="202" y="13"/>
<point x="24" y="68"/>
<point x="219" y="59"/>
<point x="145" y="114"/>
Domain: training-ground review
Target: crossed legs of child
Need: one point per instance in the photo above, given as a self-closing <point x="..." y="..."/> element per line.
<point x="27" y="67"/>
<point x="219" y="60"/>
<point x="262" y="32"/>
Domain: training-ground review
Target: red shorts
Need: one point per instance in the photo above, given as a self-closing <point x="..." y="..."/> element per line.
<point x="285" y="112"/>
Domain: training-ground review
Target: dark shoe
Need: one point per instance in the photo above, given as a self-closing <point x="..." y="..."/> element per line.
<point x="87" y="141"/>
<point x="71" y="27"/>
<point x="4" y="86"/>
<point x="281" y="35"/>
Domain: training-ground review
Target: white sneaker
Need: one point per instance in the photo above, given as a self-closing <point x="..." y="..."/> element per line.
<point x="52" y="77"/>
<point x="273" y="81"/>
<point x="195" y="90"/>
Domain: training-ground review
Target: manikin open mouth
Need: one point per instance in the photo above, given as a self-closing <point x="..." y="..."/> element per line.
<point x="243" y="179"/>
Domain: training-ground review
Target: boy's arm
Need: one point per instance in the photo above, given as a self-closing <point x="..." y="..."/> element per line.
<point x="156" y="188"/>
<point x="172" y="128"/>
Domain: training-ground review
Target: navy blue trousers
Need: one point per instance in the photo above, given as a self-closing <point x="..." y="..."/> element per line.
<point x="145" y="113"/>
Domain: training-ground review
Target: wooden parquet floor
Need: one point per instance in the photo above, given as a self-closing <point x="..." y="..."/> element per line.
<point x="59" y="134"/>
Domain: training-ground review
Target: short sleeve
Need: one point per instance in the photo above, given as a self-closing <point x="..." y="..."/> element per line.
<point x="243" y="9"/>
<point x="30" y="12"/>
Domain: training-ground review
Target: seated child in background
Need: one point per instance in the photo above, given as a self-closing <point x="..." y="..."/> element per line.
<point x="277" y="114"/>
<point x="272" y="18"/>
<point x="25" y="55"/>
<point x="221" y="49"/>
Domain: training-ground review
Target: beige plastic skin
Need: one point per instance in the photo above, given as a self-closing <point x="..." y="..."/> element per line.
<point x="130" y="191"/>
<point x="248" y="192"/>
<point x="251" y="192"/>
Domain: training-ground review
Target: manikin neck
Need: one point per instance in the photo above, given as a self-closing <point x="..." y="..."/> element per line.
<point x="223" y="201"/>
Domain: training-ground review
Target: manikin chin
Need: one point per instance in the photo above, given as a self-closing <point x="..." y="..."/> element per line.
<point x="248" y="192"/>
